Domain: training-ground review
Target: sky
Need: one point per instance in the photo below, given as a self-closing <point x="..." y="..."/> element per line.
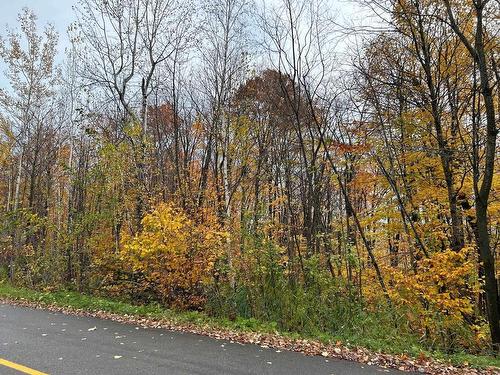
<point x="60" y="14"/>
<point x="57" y="12"/>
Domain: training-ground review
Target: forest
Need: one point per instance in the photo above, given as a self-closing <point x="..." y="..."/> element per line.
<point x="268" y="160"/>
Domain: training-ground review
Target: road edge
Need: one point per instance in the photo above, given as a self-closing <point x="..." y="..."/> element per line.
<point x="266" y="340"/>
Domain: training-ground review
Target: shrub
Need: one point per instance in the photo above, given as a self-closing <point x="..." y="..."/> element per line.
<point x="175" y="254"/>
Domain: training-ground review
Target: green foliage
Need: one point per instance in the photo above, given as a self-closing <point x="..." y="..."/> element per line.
<point x="321" y="305"/>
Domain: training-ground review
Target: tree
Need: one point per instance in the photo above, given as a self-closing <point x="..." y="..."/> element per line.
<point x="29" y="106"/>
<point x="481" y="43"/>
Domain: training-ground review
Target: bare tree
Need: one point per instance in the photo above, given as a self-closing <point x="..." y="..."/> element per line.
<point x="32" y="74"/>
<point x="126" y="43"/>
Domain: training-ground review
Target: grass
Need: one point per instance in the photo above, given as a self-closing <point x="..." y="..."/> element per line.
<point x="374" y="339"/>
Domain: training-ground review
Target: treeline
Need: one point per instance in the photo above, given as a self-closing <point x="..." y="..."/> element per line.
<point x="260" y="161"/>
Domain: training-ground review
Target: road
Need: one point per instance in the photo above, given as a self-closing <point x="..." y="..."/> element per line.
<point x="39" y="342"/>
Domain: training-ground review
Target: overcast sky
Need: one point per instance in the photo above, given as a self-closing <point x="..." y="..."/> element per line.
<point x="60" y="14"/>
<point x="57" y="12"/>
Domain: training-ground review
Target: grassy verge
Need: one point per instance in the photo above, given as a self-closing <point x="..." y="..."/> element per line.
<point x="92" y="303"/>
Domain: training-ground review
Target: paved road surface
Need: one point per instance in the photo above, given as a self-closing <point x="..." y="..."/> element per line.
<point x="54" y="343"/>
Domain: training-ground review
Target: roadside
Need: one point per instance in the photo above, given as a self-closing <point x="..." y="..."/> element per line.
<point x="242" y="331"/>
<point x="46" y="342"/>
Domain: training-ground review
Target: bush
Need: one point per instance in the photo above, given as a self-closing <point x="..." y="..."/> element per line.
<point x="175" y="254"/>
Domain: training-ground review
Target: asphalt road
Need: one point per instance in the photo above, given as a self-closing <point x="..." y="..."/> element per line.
<point x="54" y="343"/>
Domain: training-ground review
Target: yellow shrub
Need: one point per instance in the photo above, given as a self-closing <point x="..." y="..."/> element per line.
<point x="440" y="296"/>
<point x="175" y="254"/>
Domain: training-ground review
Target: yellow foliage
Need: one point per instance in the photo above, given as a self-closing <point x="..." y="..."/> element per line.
<point x="446" y="279"/>
<point x="176" y="254"/>
<point x="440" y="295"/>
